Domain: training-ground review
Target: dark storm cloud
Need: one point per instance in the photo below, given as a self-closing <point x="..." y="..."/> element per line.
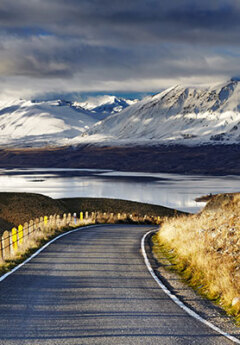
<point x="117" y="40"/>
<point x="154" y="19"/>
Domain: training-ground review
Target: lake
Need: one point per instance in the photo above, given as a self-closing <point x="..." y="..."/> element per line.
<point x="171" y="190"/>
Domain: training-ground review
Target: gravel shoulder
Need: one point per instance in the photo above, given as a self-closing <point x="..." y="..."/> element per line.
<point x="205" y="308"/>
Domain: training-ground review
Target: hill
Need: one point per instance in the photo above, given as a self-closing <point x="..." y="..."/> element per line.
<point x="204" y="249"/>
<point x="17" y="208"/>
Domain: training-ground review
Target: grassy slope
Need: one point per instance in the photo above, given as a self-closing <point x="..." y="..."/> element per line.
<point x="205" y="249"/>
<point x="116" y="206"/>
<point x="17" y="208"/>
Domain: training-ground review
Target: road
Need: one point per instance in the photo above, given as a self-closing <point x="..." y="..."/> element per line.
<point x="92" y="287"/>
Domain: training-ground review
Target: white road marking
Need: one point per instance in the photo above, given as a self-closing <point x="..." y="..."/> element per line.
<point x="163" y="287"/>
<point x="42" y="248"/>
<point x="176" y="300"/>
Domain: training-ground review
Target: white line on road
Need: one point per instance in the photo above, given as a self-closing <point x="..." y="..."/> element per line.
<point x="164" y="288"/>
<point x="42" y="248"/>
<point x="176" y="300"/>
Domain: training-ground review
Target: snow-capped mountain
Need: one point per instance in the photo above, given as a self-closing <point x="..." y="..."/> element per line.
<point x="105" y="105"/>
<point x="178" y="115"/>
<point x="29" y="123"/>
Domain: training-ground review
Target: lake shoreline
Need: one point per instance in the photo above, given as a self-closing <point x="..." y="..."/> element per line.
<point x="208" y="160"/>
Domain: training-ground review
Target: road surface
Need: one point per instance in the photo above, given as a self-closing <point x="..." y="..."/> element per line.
<point x="92" y="287"/>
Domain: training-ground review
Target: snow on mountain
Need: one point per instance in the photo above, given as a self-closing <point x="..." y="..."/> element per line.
<point x="29" y="123"/>
<point x="178" y="115"/>
<point x="104" y="105"/>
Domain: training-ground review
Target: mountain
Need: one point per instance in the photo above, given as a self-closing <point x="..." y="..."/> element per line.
<point x="105" y="105"/>
<point x="178" y="115"/>
<point x="33" y="123"/>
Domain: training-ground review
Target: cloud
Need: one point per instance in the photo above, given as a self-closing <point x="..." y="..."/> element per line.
<point x="92" y="44"/>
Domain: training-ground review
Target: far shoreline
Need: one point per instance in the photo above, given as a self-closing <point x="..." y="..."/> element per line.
<point x="207" y="160"/>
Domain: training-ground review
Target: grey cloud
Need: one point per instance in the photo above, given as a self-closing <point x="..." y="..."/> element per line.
<point x="94" y="42"/>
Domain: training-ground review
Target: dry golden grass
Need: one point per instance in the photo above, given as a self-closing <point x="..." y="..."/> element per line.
<point x="205" y="249"/>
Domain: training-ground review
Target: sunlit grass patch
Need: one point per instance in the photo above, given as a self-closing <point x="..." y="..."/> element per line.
<point x="205" y="250"/>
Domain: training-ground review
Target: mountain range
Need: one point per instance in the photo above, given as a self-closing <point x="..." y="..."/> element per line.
<point x="32" y="123"/>
<point x="179" y="115"/>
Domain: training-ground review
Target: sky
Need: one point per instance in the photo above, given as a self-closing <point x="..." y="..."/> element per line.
<point x="121" y="46"/>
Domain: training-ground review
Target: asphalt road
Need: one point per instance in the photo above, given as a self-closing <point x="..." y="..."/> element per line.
<point x="92" y="287"/>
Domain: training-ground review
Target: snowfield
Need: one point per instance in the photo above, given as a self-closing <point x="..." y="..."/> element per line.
<point x="27" y="123"/>
<point x="105" y="105"/>
<point x="179" y="115"/>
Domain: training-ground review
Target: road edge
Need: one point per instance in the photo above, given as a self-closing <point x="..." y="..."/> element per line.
<point x="4" y="276"/>
<point x="175" y="299"/>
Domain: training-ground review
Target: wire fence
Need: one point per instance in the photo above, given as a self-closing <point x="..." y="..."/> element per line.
<point x="19" y="239"/>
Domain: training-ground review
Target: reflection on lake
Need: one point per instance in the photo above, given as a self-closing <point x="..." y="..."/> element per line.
<point x="171" y="190"/>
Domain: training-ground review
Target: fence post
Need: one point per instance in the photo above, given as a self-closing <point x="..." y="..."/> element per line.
<point x="58" y="222"/>
<point x="81" y="216"/>
<point x="75" y="218"/>
<point x="20" y="234"/>
<point x="50" y="222"/>
<point x="45" y="221"/>
<point x="69" y="218"/>
<point x="41" y="223"/>
<point x="25" y="232"/>
<point x="14" y="239"/>
<point x="31" y="228"/>
<point x="54" y="221"/>
<point x="64" y="220"/>
<point x="6" y="244"/>
<point x="1" y="250"/>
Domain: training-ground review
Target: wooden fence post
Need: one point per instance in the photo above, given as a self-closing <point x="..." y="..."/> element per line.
<point x="69" y="218"/>
<point x="81" y="216"/>
<point x="31" y="228"/>
<point x="58" y="222"/>
<point x="25" y="232"/>
<point x="45" y="220"/>
<point x="14" y="239"/>
<point x="6" y="244"/>
<point x="1" y="250"/>
<point x="41" y="223"/>
<point x="64" y="220"/>
<point x="20" y="234"/>
<point x="50" y="222"/>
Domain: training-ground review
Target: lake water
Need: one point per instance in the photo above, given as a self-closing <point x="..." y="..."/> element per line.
<point x="171" y="190"/>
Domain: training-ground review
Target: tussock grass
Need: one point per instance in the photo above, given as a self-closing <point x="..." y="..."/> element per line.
<point x="32" y="244"/>
<point x="205" y="249"/>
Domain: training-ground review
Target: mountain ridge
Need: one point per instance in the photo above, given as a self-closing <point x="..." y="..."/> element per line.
<point x="179" y="115"/>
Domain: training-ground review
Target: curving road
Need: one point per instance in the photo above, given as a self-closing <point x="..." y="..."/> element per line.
<point x="92" y="287"/>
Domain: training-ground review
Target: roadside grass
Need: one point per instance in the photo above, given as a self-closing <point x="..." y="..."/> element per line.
<point x="205" y="250"/>
<point x="116" y="206"/>
<point x="30" y="247"/>
<point x="18" y="208"/>
<point x="40" y="238"/>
